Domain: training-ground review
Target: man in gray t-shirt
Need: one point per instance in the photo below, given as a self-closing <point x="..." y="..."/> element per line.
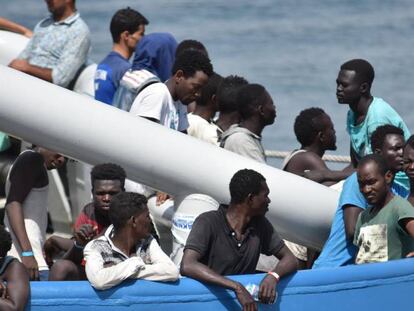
<point x="257" y="110"/>
<point x="230" y="240"/>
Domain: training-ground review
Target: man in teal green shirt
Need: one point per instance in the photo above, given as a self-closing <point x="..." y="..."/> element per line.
<point x="366" y="112"/>
<point x="385" y="230"/>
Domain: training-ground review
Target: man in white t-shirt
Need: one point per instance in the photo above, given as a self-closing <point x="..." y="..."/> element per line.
<point x="165" y="103"/>
<point x="201" y="119"/>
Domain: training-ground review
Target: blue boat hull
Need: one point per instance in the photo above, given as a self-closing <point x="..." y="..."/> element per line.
<point x="382" y="286"/>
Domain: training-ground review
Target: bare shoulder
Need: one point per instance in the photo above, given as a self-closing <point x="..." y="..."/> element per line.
<point x="305" y="161"/>
<point x="16" y="271"/>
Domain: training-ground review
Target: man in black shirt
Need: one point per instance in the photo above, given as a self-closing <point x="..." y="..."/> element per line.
<point x="230" y="240"/>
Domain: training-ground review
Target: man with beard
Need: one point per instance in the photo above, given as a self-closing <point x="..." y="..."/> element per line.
<point x="385" y="230"/>
<point x="257" y="110"/>
<point x="229" y="241"/>
<point x="315" y="132"/>
<point x="387" y="141"/>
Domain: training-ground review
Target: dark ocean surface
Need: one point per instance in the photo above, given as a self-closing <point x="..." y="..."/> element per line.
<point x="294" y="48"/>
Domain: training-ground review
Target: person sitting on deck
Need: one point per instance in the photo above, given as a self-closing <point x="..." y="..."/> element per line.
<point x="257" y="110"/>
<point x="59" y="47"/>
<point x="388" y="141"/>
<point x="229" y="241"/>
<point x="127" y="28"/>
<point x="366" y="112"/>
<point x="107" y="179"/>
<point x="227" y="102"/>
<point x="385" y="230"/>
<point x="200" y="121"/>
<point x="14" y="279"/>
<point x="127" y="250"/>
<point x="153" y="61"/>
<point x="315" y="132"/>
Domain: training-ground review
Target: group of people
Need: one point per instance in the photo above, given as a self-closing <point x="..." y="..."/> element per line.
<point x="174" y="84"/>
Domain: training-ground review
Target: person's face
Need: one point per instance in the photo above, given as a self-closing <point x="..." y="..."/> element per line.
<point x="328" y="134"/>
<point x="408" y="157"/>
<point x="52" y="159"/>
<point x="102" y="193"/>
<point x="189" y="89"/>
<point x="132" y="39"/>
<point x="142" y="224"/>
<point x="261" y="201"/>
<point x="392" y="151"/>
<point x="348" y="88"/>
<point x="268" y="110"/>
<point x="372" y="184"/>
<point x="57" y="7"/>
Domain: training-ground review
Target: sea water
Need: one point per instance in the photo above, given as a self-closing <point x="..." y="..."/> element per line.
<point x="294" y="48"/>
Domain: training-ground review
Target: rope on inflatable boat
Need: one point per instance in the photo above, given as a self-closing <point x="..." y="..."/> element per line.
<point x="328" y="157"/>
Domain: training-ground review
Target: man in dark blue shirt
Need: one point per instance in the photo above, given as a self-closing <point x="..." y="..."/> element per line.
<point x="127" y="29"/>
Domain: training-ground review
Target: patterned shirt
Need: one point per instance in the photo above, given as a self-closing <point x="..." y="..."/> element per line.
<point x="107" y="266"/>
<point x="61" y="46"/>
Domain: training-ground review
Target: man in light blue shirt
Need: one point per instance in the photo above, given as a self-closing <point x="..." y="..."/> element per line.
<point x="339" y="250"/>
<point x="366" y="112"/>
<point x="59" y="46"/>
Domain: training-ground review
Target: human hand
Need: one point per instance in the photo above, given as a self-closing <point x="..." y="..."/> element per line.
<point x="28" y="33"/>
<point x="3" y="290"/>
<point x="161" y="198"/>
<point x="85" y="233"/>
<point x="411" y="254"/>
<point x="267" y="289"/>
<point x="245" y="299"/>
<point x="19" y="64"/>
<point x="32" y="268"/>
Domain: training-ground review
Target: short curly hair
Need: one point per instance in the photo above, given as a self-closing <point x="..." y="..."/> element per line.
<point x="377" y="159"/>
<point x="124" y="205"/>
<point x="249" y="97"/>
<point x="363" y="69"/>
<point x="108" y="171"/>
<point x="126" y="20"/>
<point x="5" y="241"/>
<point x="306" y="126"/>
<point x="191" y="61"/>
<point x="190" y="44"/>
<point x="209" y="89"/>
<point x="378" y="136"/>
<point x="243" y="183"/>
<point x="227" y="93"/>
<point x="410" y="142"/>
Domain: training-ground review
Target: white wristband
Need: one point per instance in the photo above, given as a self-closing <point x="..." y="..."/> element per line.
<point x="275" y="275"/>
